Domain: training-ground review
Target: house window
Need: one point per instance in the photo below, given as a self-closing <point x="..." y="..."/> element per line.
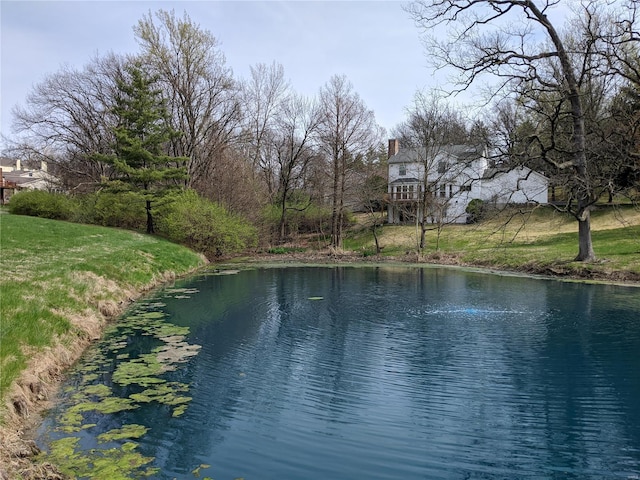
<point x="442" y="167"/>
<point x="443" y="191"/>
<point x="465" y="188"/>
<point x="450" y="191"/>
<point x="402" y="170"/>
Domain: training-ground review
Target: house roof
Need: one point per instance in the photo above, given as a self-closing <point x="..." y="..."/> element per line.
<point x="24" y="178"/>
<point x="462" y="152"/>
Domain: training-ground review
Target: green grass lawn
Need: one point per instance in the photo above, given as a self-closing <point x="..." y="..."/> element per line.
<point x="53" y="272"/>
<point x="530" y="241"/>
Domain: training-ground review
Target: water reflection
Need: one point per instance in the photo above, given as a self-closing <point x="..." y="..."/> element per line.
<point x="396" y="372"/>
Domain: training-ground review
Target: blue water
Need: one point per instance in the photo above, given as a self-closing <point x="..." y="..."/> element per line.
<point x="393" y="373"/>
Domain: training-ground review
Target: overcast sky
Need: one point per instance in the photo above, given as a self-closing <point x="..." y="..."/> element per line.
<point x="373" y="43"/>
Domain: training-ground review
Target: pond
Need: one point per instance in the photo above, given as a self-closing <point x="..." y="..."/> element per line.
<point x="382" y="372"/>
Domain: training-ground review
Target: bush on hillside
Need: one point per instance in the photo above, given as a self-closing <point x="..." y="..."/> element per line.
<point x="475" y="210"/>
<point x="204" y="226"/>
<point x="121" y="210"/>
<point x="39" y="203"/>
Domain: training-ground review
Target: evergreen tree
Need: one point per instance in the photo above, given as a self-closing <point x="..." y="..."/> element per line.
<point x="139" y="160"/>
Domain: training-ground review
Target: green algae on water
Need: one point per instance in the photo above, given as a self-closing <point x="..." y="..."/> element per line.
<point x="126" y="432"/>
<point x="123" y="463"/>
<point x="116" y="376"/>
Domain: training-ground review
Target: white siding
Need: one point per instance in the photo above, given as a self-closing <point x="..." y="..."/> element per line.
<point x="460" y="183"/>
<point x="520" y="185"/>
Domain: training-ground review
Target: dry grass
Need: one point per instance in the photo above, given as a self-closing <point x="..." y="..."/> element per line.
<point x="527" y="226"/>
<point x="538" y="241"/>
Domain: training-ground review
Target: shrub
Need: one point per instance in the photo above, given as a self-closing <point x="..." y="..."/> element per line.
<point x="122" y="210"/>
<point x="475" y="210"/>
<point x="204" y="226"/>
<point x="38" y="203"/>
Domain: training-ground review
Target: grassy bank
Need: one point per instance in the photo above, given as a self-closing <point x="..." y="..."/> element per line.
<point x="542" y="242"/>
<point x="58" y="283"/>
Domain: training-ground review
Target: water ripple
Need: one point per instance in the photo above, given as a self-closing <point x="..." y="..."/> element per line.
<point x="412" y="374"/>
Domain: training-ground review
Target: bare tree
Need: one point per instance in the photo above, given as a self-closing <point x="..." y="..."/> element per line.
<point x="263" y="95"/>
<point x="498" y="38"/>
<point x="616" y="32"/>
<point x="347" y="130"/>
<point x="540" y="124"/>
<point x="203" y="97"/>
<point x="372" y="191"/>
<point x="297" y="123"/>
<point x="234" y="185"/>
<point x="432" y="129"/>
<point x="68" y="117"/>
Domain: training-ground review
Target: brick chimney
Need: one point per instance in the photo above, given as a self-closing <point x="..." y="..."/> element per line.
<point x="394" y="146"/>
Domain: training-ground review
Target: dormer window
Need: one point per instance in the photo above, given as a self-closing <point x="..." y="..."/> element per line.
<point x="402" y="170"/>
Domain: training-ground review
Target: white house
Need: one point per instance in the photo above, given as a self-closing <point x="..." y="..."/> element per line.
<point x="455" y="175"/>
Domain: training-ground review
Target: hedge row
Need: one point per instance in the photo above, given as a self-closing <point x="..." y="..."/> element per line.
<point x="184" y="217"/>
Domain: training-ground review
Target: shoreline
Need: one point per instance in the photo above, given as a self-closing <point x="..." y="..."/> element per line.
<point x="550" y="272"/>
<point x="36" y="389"/>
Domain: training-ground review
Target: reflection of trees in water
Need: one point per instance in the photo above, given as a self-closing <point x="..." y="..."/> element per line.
<point x="497" y="367"/>
<point x="590" y="363"/>
<point x="464" y="330"/>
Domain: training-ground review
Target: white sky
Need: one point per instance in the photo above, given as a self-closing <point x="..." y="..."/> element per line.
<point x="374" y="43"/>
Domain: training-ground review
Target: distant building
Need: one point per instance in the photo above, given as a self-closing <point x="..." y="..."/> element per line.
<point x="14" y="176"/>
<point x="455" y="175"/>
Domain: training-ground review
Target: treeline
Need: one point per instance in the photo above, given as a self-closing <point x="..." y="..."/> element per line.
<point x="173" y="117"/>
<point x="563" y="99"/>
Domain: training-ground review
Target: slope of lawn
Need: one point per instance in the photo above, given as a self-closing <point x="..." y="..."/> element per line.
<point x="542" y="241"/>
<point x="58" y="281"/>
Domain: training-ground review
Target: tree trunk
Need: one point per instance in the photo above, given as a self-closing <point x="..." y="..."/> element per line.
<point x="585" y="251"/>
<point x="375" y="238"/>
<point x="422" y="215"/>
<point x="149" y="218"/>
<point x="337" y="216"/>
<point x="335" y="211"/>
<point x="283" y="221"/>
